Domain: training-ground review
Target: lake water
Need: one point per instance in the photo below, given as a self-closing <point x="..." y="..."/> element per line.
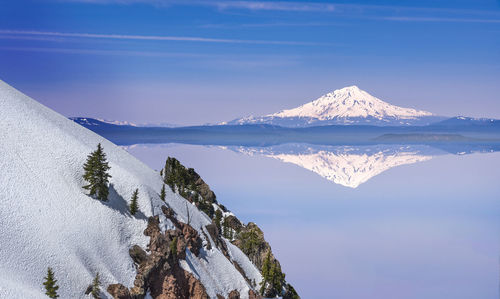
<point x="362" y="222"/>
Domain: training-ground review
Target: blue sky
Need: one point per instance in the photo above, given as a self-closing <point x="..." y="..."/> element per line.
<point x="192" y="62"/>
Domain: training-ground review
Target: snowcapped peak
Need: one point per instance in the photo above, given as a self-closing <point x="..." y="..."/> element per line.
<point x="348" y="102"/>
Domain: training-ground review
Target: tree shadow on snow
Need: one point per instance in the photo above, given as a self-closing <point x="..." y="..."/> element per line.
<point x="118" y="203"/>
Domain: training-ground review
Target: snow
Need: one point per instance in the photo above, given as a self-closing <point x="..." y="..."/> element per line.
<point x="47" y="220"/>
<point x="349" y="105"/>
<point x="350" y="102"/>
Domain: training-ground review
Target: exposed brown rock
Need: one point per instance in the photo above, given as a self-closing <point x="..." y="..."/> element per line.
<point x="160" y="271"/>
<point x="205" y="191"/>
<point x="234" y="294"/>
<point x="177" y="284"/>
<point x="137" y="254"/>
<point x="192" y="239"/>
<point x="253" y="295"/>
<point x="234" y="223"/>
<point x="119" y="291"/>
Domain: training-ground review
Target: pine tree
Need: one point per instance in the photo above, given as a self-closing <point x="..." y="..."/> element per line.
<point x="218" y="218"/>
<point x="133" y="203"/>
<point x="173" y="247"/>
<point x="162" y="193"/>
<point x="50" y="284"/>
<point x="96" y="287"/>
<point x="266" y="272"/>
<point x="96" y="174"/>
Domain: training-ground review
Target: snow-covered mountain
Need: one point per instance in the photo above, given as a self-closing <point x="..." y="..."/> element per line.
<point x="48" y="220"/>
<point x="345" y="165"/>
<point x="349" y="105"/>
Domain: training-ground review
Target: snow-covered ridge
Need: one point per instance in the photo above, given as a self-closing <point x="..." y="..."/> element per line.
<point x="47" y="219"/>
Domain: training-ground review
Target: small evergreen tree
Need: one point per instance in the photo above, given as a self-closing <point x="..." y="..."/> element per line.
<point x="96" y="174"/>
<point x="227" y="231"/>
<point x="133" y="203"/>
<point x="218" y="218"/>
<point x="173" y="247"/>
<point x="50" y="284"/>
<point x="266" y="273"/>
<point x="96" y="287"/>
<point x="162" y="193"/>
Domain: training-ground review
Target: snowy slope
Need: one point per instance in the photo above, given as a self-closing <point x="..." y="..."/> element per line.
<point x="46" y="218"/>
<point x="349" y="105"/>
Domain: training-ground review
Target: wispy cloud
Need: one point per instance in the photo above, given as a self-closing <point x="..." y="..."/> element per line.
<point x="431" y="19"/>
<point x="20" y="33"/>
<point x="98" y="52"/>
<point x="363" y="11"/>
<point x="282" y="6"/>
<point x="249" y="5"/>
<point x="207" y="60"/>
<point x="299" y="6"/>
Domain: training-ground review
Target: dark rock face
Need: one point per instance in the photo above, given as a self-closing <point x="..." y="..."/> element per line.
<point x="234" y="223"/>
<point x="205" y="191"/>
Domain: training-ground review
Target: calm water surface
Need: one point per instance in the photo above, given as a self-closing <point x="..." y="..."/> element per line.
<point x="366" y="222"/>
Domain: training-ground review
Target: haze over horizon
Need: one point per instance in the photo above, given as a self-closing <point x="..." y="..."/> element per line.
<point x="195" y="62"/>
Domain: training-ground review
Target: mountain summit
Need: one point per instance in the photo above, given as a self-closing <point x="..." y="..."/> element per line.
<point x="349" y="105"/>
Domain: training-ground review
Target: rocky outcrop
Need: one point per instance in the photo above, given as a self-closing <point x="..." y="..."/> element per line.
<point x="204" y="190"/>
<point x="253" y="295"/>
<point x="119" y="291"/>
<point x="159" y="271"/>
<point x="250" y="239"/>
<point x="234" y="294"/>
<point x="234" y="223"/>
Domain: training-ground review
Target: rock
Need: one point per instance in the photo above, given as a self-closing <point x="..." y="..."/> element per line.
<point x="192" y="239"/>
<point x="234" y="294"/>
<point x="118" y="291"/>
<point x="137" y="254"/>
<point x="234" y="223"/>
<point x="253" y="295"/>
<point x="205" y="191"/>
<point x="153" y="228"/>
<point x="89" y="289"/>
<point x="159" y="272"/>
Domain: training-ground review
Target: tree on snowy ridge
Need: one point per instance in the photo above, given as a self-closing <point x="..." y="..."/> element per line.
<point x="96" y="174"/>
<point x="133" y="204"/>
<point x="50" y="284"/>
